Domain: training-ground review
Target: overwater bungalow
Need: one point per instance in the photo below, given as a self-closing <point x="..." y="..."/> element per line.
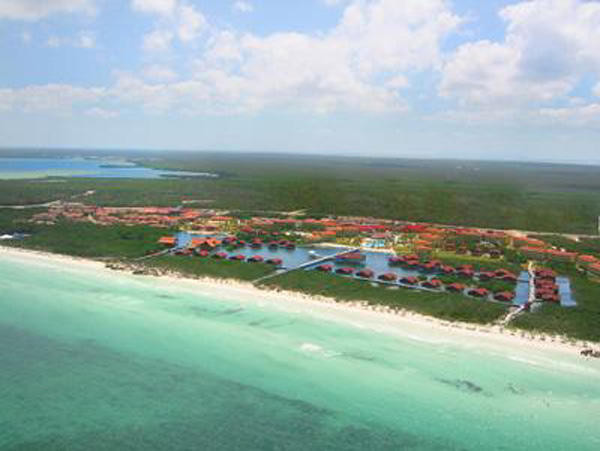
<point x="353" y="258"/>
<point x="229" y="240"/>
<point x="479" y="292"/>
<point x="500" y="273"/>
<point x="365" y="273"/>
<point x="388" y="277"/>
<point x="219" y="256"/>
<point x="545" y="274"/>
<point x="410" y="280"/>
<point x="510" y="278"/>
<point x="324" y="268"/>
<point x="448" y="270"/>
<point x="395" y="260"/>
<point x="455" y="287"/>
<point x="486" y="275"/>
<point x="466" y="273"/>
<point x="345" y="271"/>
<point x="505" y="296"/>
<point x="256" y="259"/>
<point x="429" y="267"/>
<point x="432" y="283"/>
<point x="412" y="264"/>
<point x="547" y="295"/>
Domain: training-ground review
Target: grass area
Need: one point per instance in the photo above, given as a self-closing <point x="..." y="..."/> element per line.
<point x="479" y="263"/>
<point x="447" y="306"/>
<point x="92" y="241"/>
<point x="580" y="322"/>
<point x="208" y="267"/>
<point x="504" y="195"/>
<point x="584" y="246"/>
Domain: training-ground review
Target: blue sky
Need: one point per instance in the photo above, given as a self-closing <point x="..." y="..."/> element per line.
<point x="497" y="79"/>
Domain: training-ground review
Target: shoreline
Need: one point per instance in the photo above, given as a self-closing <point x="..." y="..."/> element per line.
<point x="382" y="319"/>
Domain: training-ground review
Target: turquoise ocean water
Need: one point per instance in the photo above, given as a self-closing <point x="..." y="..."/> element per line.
<point x="97" y="361"/>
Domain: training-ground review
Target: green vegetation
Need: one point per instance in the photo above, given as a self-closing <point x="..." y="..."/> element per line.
<point x="445" y="306"/>
<point x="583" y="246"/>
<point x="580" y="322"/>
<point x="16" y="220"/>
<point x="541" y="197"/>
<point x="93" y="241"/>
<point x="478" y="263"/>
<point x="208" y="267"/>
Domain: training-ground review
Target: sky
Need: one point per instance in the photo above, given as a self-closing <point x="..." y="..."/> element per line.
<point x="493" y="79"/>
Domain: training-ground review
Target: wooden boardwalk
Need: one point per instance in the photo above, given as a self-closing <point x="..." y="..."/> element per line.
<point x="305" y="265"/>
<point x="530" y="299"/>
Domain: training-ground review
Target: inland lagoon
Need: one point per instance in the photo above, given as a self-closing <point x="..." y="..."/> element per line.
<point x="96" y="360"/>
<point x="33" y="168"/>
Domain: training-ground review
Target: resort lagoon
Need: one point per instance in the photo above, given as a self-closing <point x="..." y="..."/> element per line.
<point x="28" y="168"/>
<point x="97" y="360"/>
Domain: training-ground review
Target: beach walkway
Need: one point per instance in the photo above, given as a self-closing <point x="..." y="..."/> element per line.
<point x="513" y="313"/>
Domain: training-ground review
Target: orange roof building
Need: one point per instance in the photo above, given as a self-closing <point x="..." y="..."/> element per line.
<point x="167" y="240"/>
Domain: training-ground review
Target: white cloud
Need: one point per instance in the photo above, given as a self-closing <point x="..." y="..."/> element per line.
<point x="159" y="73"/>
<point x="181" y="21"/>
<point x="362" y="64"/>
<point x="101" y="113"/>
<point x="165" y="7"/>
<point x="158" y="41"/>
<point x="550" y="45"/>
<point x="242" y="6"/>
<point x="596" y="90"/>
<point x="32" y="10"/>
<point x="191" y="23"/>
<point x="578" y="115"/>
<point x="51" y="98"/>
<point x="85" y="40"/>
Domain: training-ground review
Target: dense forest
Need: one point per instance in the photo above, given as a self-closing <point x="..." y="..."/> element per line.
<point x="536" y="197"/>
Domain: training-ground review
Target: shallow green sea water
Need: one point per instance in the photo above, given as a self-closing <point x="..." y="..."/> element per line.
<point x="90" y="361"/>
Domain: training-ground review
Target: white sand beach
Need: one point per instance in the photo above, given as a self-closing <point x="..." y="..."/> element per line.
<point x="542" y="349"/>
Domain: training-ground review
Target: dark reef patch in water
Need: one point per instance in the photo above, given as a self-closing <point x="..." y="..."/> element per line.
<point x="232" y="311"/>
<point x="462" y="385"/>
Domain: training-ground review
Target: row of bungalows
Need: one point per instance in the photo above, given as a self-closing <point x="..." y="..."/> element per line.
<point x="417" y="282"/>
<point x="524" y="241"/>
<point x="413" y="262"/>
<point x="545" y="254"/>
<point x="546" y="288"/>
<point x="590" y="264"/>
